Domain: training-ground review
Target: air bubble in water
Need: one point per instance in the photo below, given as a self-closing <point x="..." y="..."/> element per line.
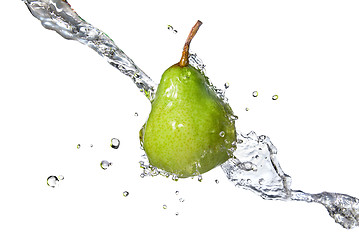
<point x="115" y="143"/>
<point x="52" y="181"/>
<point x="255" y="94"/>
<point x="105" y="164"/>
<point x="125" y="193"/>
<point x="275" y="97"/>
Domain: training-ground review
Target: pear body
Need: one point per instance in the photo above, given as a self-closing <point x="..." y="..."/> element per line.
<point x="189" y="130"/>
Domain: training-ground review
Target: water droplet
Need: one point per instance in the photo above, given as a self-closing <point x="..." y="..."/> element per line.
<point x="242" y="182"/>
<point x="255" y="94"/>
<point x="91" y="145"/>
<point x="177" y="213"/>
<point x="260" y="181"/>
<point x="52" y="181"/>
<point x="125" y="193"/>
<point x="275" y="97"/>
<point x="164" y="206"/>
<point x="136" y="114"/>
<point x="78" y="146"/>
<point x="142" y="175"/>
<point x="115" y="143"/>
<point x="226" y="85"/>
<point x="200" y="178"/>
<point x="222" y="134"/>
<point x="175" y="178"/>
<point x="249" y="181"/>
<point x="177" y="192"/>
<point x="234" y="117"/>
<point x="181" y="200"/>
<point x="105" y="164"/>
<point x="247" y="109"/>
<point x="169" y="27"/>
<point x="216" y="181"/>
<point x="60" y="177"/>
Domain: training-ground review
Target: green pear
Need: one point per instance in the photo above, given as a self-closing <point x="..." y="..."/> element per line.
<point x="190" y="130"/>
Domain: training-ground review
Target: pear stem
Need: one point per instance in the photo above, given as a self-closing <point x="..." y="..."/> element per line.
<point x="185" y="53"/>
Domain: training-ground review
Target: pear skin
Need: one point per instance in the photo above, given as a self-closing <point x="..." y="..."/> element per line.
<point x="189" y="130"/>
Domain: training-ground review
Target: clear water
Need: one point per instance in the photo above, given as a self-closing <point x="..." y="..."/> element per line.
<point x="105" y="164"/>
<point x="254" y="166"/>
<point x="115" y="143"/>
<point x="58" y="15"/>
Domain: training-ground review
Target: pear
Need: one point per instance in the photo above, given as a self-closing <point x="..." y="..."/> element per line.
<point x="190" y="130"/>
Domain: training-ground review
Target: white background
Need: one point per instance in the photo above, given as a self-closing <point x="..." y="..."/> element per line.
<point x="55" y="94"/>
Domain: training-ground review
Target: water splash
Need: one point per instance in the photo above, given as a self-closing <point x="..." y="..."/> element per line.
<point x="58" y="15"/>
<point x="255" y="167"/>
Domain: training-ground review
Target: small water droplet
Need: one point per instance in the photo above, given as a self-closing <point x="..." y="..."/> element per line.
<point x="255" y="94"/>
<point x="125" y="193"/>
<point x="181" y="200"/>
<point x="222" y="134"/>
<point x="177" y="192"/>
<point x="226" y="85"/>
<point x="175" y="178"/>
<point x="78" y="146"/>
<point x="260" y="181"/>
<point x="164" y="206"/>
<point x="105" y="164"/>
<point x="91" y="145"/>
<point x="247" y="109"/>
<point x="200" y="178"/>
<point x="275" y="97"/>
<point x="174" y="31"/>
<point x="216" y="181"/>
<point x="52" y="181"/>
<point x="142" y="175"/>
<point x="60" y="177"/>
<point x="169" y="27"/>
<point x="177" y="213"/>
<point x="136" y="114"/>
<point x="115" y="143"/>
<point x="242" y="182"/>
<point x="249" y="181"/>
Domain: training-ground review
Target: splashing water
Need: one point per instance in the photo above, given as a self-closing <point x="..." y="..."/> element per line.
<point x="254" y="165"/>
<point x="58" y="15"/>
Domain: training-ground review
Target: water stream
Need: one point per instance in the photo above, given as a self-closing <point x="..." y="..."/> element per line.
<point x="254" y="166"/>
